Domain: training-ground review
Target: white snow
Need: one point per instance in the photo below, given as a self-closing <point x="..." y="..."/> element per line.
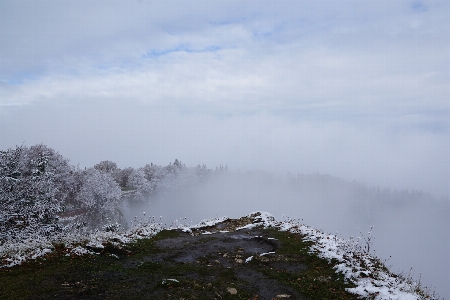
<point x="80" y="251"/>
<point x="40" y="252"/>
<point x="76" y="243"/>
<point x="186" y="230"/>
<point x="96" y="244"/>
<point x="165" y="281"/>
<point x="249" y="226"/>
<point x="357" y="266"/>
<point x="209" y="222"/>
<point x="266" y="253"/>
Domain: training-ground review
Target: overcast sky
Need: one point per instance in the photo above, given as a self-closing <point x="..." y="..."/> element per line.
<point x="353" y="88"/>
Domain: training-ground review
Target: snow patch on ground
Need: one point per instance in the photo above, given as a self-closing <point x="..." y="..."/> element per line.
<point x="80" y="251"/>
<point x="209" y="222"/>
<point x="371" y="278"/>
<point x="78" y="243"/>
<point x="249" y="226"/>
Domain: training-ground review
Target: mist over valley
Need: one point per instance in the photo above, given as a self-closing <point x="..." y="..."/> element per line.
<point x="410" y="227"/>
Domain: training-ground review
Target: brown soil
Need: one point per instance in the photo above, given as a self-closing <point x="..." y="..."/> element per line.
<point x="230" y="250"/>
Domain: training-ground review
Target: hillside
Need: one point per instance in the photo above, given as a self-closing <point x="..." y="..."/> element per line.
<point x="253" y="257"/>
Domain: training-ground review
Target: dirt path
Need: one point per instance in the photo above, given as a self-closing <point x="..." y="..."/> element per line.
<point x="216" y="262"/>
<point x="239" y="251"/>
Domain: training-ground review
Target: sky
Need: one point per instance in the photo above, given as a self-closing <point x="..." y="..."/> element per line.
<point x="354" y="88"/>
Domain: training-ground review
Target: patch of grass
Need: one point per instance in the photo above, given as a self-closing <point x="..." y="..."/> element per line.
<point x="166" y="234"/>
<point x="147" y="246"/>
<point x="318" y="281"/>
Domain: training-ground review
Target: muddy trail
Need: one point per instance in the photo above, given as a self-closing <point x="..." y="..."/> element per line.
<point x="215" y="262"/>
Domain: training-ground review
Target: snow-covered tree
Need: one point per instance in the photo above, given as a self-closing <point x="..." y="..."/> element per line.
<point x="202" y="172"/>
<point x="106" y="166"/>
<point x="56" y="165"/>
<point x="138" y="181"/>
<point x="175" y="168"/>
<point x="33" y="185"/>
<point x="40" y="193"/>
<point x="170" y="174"/>
<point x="154" y="175"/>
<point x="100" y="197"/>
<point x="121" y="176"/>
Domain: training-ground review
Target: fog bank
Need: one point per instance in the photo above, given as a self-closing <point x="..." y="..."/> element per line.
<point x="412" y="227"/>
<point x="383" y="153"/>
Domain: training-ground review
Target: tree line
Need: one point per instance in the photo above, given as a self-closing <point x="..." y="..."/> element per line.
<point x="39" y="188"/>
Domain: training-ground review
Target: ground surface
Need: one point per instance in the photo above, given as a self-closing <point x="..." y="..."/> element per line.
<point x="215" y="262"/>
